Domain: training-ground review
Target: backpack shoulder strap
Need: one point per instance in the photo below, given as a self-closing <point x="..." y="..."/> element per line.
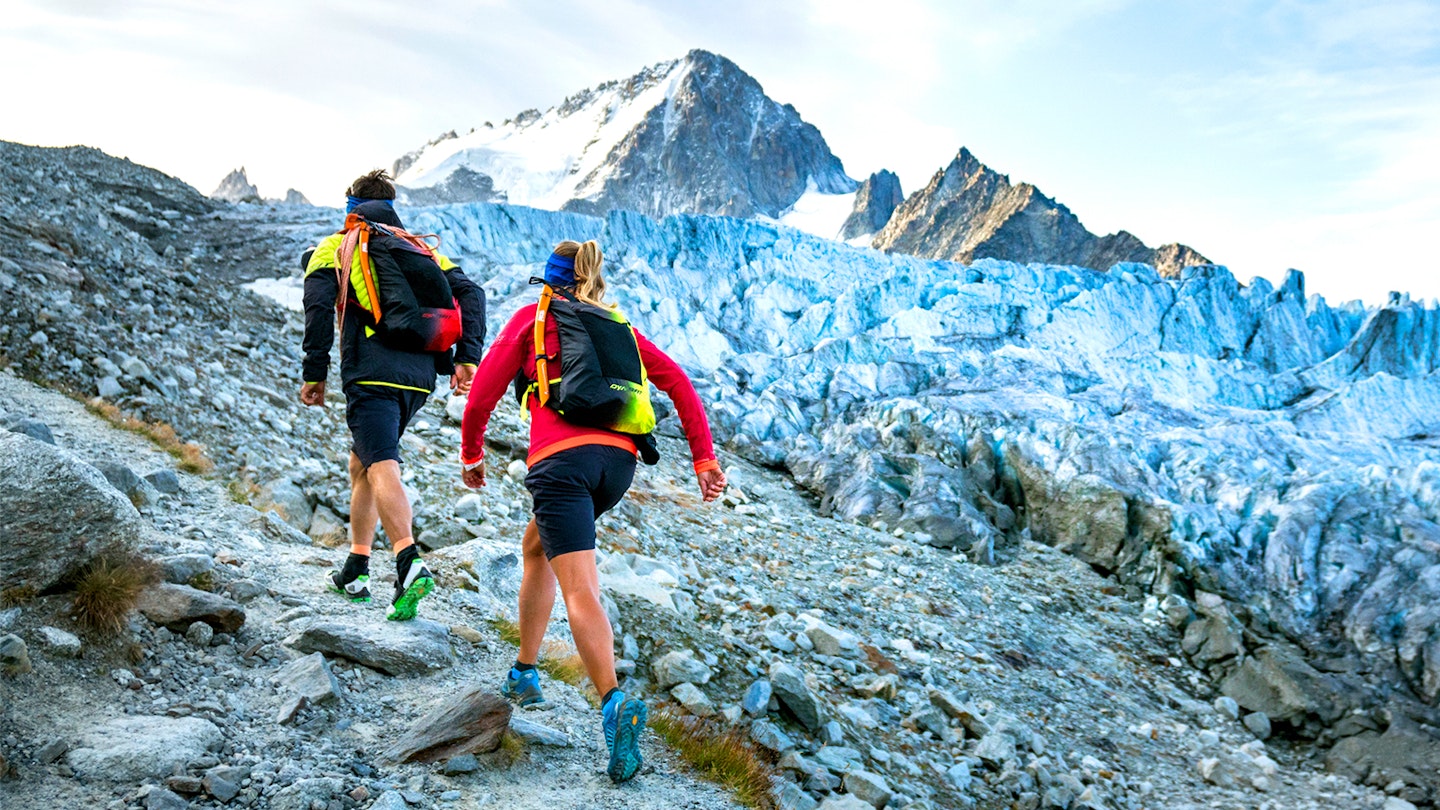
<point x="542" y="372"/>
<point x="357" y="237"/>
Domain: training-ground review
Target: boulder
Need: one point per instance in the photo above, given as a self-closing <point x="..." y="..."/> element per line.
<point x="14" y="655"/>
<point x="39" y="482"/>
<point x="124" y="479"/>
<point x="177" y="606"/>
<point x="166" y="482"/>
<point x="309" y="677"/>
<point x="327" y="528"/>
<point x="757" y="698"/>
<point x="59" y="642"/>
<point x="537" y="734"/>
<point x="472" y="723"/>
<point x="285" y="498"/>
<point x="679" y="666"/>
<point x="394" y="648"/>
<point x="134" y="748"/>
<point x="695" y="701"/>
<point x="1277" y="681"/>
<point x="844" y="801"/>
<point x="868" y="787"/>
<point x="788" y="683"/>
<point x="34" y="428"/>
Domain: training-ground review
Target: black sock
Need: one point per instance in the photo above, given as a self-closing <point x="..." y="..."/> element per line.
<point x="523" y="667"/>
<point x="606" y="699"/>
<point x="407" y="555"/>
<point x="355" y="565"/>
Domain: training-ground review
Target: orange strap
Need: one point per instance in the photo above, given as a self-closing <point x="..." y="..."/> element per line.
<point x="357" y="235"/>
<point x="607" y="440"/>
<point x="542" y="373"/>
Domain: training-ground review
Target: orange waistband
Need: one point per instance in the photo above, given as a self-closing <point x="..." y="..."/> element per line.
<point x="606" y="439"/>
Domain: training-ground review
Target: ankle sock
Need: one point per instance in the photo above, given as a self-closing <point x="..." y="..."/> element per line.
<point x="605" y="701"/>
<point x="404" y="559"/>
<point x="355" y="565"/>
<point x="519" y="667"/>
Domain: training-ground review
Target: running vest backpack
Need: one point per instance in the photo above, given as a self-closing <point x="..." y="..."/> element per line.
<point x="602" y="381"/>
<point x="415" y="311"/>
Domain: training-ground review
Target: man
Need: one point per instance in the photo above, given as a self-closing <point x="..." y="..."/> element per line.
<point x="385" y="379"/>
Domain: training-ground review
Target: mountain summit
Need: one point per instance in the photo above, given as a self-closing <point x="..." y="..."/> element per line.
<point x="693" y="135"/>
<point x="969" y="211"/>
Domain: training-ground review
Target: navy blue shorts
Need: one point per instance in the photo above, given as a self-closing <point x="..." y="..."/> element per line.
<point x="377" y="415"/>
<point x="574" y="487"/>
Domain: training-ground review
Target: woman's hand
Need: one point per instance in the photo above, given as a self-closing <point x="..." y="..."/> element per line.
<point x="475" y="476"/>
<point x="712" y="484"/>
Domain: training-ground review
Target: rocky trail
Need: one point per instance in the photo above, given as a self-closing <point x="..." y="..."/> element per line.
<point x="872" y="666"/>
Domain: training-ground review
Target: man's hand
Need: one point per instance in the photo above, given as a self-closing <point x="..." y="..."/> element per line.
<point x="712" y="484"/>
<point x="475" y="476"/>
<point x="313" y="394"/>
<point x="460" y="380"/>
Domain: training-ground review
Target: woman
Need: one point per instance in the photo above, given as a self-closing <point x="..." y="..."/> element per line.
<point x="576" y="474"/>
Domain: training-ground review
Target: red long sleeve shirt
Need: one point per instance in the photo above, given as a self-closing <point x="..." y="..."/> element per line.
<point x="514" y="350"/>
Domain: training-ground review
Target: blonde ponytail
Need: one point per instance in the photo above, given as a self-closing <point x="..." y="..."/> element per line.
<point x="589" y="283"/>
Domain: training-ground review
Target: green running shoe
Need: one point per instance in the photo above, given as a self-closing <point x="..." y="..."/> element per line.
<point x="356" y="590"/>
<point x="409" y="590"/>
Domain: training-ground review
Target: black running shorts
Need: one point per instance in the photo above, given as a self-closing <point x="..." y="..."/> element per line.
<point x="377" y="415"/>
<point x="574" y="487"/>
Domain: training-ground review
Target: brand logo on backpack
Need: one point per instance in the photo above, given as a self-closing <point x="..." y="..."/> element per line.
<point x="395" y="278"/>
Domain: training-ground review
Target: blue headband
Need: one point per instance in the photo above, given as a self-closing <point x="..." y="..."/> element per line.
<point x="559" y="271"/>
<point x="352" y="202"/>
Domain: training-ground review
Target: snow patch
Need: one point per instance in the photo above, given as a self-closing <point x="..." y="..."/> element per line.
<point x="288" y="292"/>
<point x="820" y="214"/>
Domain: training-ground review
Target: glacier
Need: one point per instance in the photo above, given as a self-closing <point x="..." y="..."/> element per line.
<point x="1191" y="436"/>
<point x="1197" y="438"/>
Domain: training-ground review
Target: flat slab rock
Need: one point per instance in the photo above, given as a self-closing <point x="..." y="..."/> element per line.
<point x="176" y="607"/>
<point x="394" y="648"/>
<point x="136" y="747"/>
<point x="472" y="723"/>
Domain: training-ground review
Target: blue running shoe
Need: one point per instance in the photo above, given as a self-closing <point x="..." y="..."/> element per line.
<point x="623" y="719"/>
<point x="522" y="686"/>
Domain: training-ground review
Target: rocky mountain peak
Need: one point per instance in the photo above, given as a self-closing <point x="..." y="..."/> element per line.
<point x="692" y="135"/>
<point x="876" y="199"/>
<point x="236" y="187"/>
<point x="969" y="211"/>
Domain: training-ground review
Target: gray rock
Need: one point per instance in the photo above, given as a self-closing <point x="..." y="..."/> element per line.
<point x="467" y="724"/>
<point x="1227" y="706"/>
<point x="327" y="528"/>
<point x="470" y="507"/>
<point x="537" y="734"/>
<point x="832" y="734"/>
<point x="757" y="698"/>
<point x="133" y="748"/>
<point x="177" y="606"/>
<point x="1277" y="681"/>
<point x="844" y="801"/>
<point x="679" y="666"/>
<point x="465" y="763"/>
<point x="52" y="751"/>
<point x="995" y="750"/>
<point x="59" y="642"/>
<point x="162" y="799"/>
<point x="795" y="696"/>
<point x="789" y="796"/>
<point x="868" y="787"/>
<point x="290" y="708"/>
<point x="878" y="197"/>
<point x="33" y="428"/>
<point x="182" y="569"/>
<point x="124" y="479"/>
<point x="832" y="641"/>
<point x="38" y="482"/>
<point x="287" y="500"/>
<point x="390" y="800"/>
<point x="200" y="634"/>
<point x="14" y="655"/>
<point x="310" y="676"/>
<point x="221" y="788"/>
<point x="304" y="793"/>
<point x="443" y="536"/>
<point x="695" y="701"/>
<point x="395" y="648"/>
<point x="108" y="387"/>
<point x="1259" y="725"/>
<point x="165" y="482"/>
<point x="839" y="758"/>
<point x="768" y="735"/>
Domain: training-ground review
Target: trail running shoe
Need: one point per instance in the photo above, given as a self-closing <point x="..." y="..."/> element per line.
<point x="623" y="719"/>
<point x="356" y="590"/>
<point x="410" y="588"/>
<point x="522" y="686"/>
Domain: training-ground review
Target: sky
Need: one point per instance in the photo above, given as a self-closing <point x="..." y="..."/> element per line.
<point x="1267" y="135"/>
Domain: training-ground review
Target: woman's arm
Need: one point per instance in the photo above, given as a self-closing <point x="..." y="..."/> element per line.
<point x="500" y="365"/>
<point x="670" y="378"/>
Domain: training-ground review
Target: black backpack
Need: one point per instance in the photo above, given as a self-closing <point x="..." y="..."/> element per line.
<point x="411" y="306"/>
<point x="602" y="381"/>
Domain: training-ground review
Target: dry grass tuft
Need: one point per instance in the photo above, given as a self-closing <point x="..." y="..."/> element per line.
<point x="508" y="631"/>
<point x="17" y="595"/>
<point x="511" y="750"/>
<point x="106" y="591"/>
<point x="192" y="456"/>
<point x="720" y="755"/>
